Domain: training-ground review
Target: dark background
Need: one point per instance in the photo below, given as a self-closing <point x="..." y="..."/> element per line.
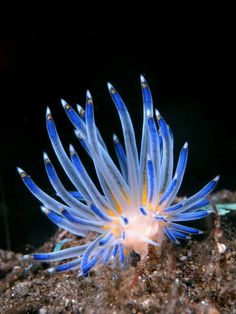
<point x="186" y="56"/>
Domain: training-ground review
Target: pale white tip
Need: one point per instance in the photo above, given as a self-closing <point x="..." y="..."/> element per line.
<point x="115" y="138"/>
<point x="216" y="179"/>
<point x="88" y="94"/>
<point x="27" y="256"/>
<point x="80" y="110"/>
<point x="64" y="103"/>
<point x="51" y="270"/>
<point x="157" y="113"/>
<point x="78" y="134"/>
<point x="45" y="156"/>
<point x="185" y="145"/>
<point x="48" y="111"/>
<point x="148" y="157"/>
<point x="71" y="149"/>
<point x="20" y="170"/>
<point x="142" y="79"/>
<point x="44" y="210"/>
<point x="109" y="85"/>
<point x="149" y="114"/>
<point x="175" y="176"/>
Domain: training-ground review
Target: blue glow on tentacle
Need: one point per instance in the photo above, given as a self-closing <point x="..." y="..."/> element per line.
<point x="189" y="216"/>
<point x="179" y="173"/>
<point x="170" y="234"/>
<point x="58" y="255"/>
<point x="169" y="190"/>
<point x="83" y="142"/>
<point x="199" y="196"/>
<point x="155" y="153"/>
<point x="151" y="180"/>
<point x="44" y="198"/>
<point x="180" y="235"/>
<point x="92" y="224"/>
<point x="115" y="250"/>
<point x="143" y="211"/>
<point x="106" y="239"/>
<point x="121" y="253"/>
<point x="72" y="265"/>
<point x="147" y="107"/>
<point x="107" y="255"/>
<point x="185" y="229"/>
<point x="125" y="220"/>
<point x="78" y="121"/>
<point x="147" y="96"/>
<point x="161" y="218"/>
<point x="77" y="195"/>
<point x="87" y="254"/>
<point x="86" y="269"/>
<point x="100" y="213"/>
<point x="173" y="208"/>
<point x="198" y="205"/>
<point x="81" y="112"/>
<point x="75" y="119"/>
<point x="167" y="153"/>
<point x="122" y="159"/>
<point x="61" y="222"/>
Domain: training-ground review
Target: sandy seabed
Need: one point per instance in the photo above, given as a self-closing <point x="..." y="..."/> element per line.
<point x="197" y="277"/>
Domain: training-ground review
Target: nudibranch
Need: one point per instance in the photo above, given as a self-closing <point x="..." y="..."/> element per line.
<point x="137" y="205"/>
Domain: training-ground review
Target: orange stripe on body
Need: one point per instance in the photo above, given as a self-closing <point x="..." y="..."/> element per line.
<point x="144" y="194"/>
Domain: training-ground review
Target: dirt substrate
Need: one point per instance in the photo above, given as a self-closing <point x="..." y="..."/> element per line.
<point x="198" y="277"/>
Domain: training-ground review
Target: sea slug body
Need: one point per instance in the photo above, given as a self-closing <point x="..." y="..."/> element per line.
<point x="137" y="204"/>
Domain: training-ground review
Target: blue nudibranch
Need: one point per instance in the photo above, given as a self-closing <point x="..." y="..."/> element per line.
<point x="138" y="200"/>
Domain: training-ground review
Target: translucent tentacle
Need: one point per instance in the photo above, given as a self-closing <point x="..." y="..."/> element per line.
<point x="96" y="196"/>
<point x="93" y="225"/>
<point x="199" y="196"/>
<point x="72" y="265"/>
<point x="167" y="152"/>
<point x="147" y="107"/>
<point x="155" y="154"/>
<point x="190" y="216"/>
<point x="58" y="255"/>
<point x="63" y="158"/>
<point x="151" y="181"/>
<point x="78" y="122"/>
<point x="61" y="222"/>
<point x="100" y="156"/>
<point x="130" y="144"/>
<point x="87" y="254"/>
<point x="185" y="229"/>
<point x="44" y="198"/>
<point x="169" y="233"/>
<point x="170" y="190"/>
<point x="77" y="208"/>
<point x="179" y="173"/>
<point x="122" y="159"/>
<point x="110" y="181"/>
